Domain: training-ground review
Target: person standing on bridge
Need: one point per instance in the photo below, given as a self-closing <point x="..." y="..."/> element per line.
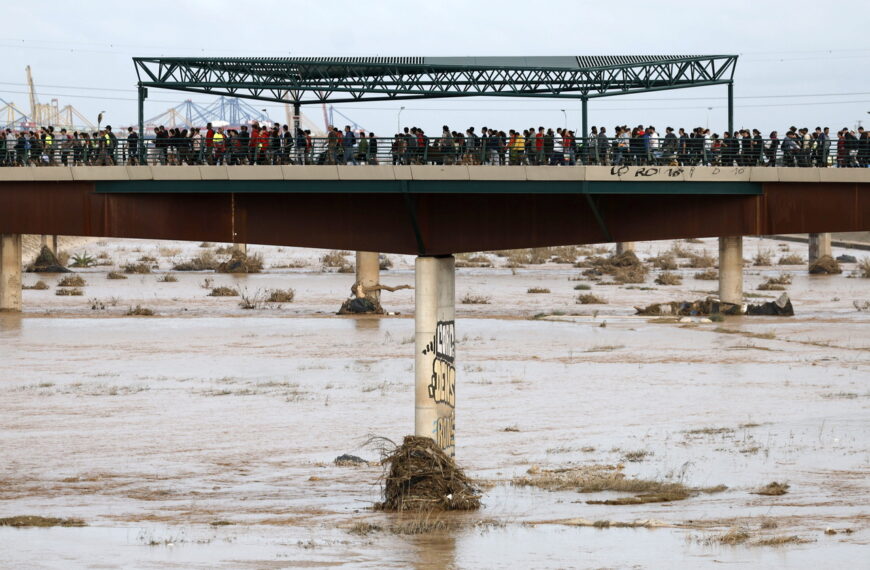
<point x="362" y="149"/>
<point x="331" y="144"/>
<point x="863" y="147"/>
<point x="300" y="146"/>
<point x="372" y="151"/>
<point x="348" y="141"/>
<point x="447" y="146"/>
<point x="132" y="147"/>
<point x="209" y="143"/>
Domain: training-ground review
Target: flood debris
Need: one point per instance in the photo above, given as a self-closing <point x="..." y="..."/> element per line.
<point x="38" y="286"/>
<point x="733" y="536"/>
<point x="240" y="262"/>
<point x="421" y="477"/>
<point x="347" y="460"/>
<point x="365" y="300"/>
<point x="360" y="306"/>
<point x="281" y="296"/>
<point x="31" y="520"/>
<point x="780" y="541"/>
<point x="781" y="307"/>
<point x="205" y="261"/>
<point x="825" y="265"/>
<point x="773" y="489"/>
<point x="704" y="307"/>
<point x="846" y="258"/>
<point x="597" y="478"/>
<point x="713" y="306"/>
<point x="622" y="268"/>
<point x="224" y="291"/>
<point x="46" y="262"/>
<point x="641" y="523"/>
<point x="71" y="281"/>
<point x="139" y="311"/>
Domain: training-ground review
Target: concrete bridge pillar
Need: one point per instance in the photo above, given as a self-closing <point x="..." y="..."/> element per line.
<point x="731" y="269"/>
<point x="623" y="246"/>
<point x="10" y="272"/>
<point x="435" y="350"/>
<point x="820" y="246"/>
<point x="50" y="242"/>
<point x="368" y="272"/>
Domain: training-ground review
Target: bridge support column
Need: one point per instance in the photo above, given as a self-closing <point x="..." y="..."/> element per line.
<point x="10" y="272"/>
<point x="368" y="275"/>
<point x="731" y="270"/>
<point x="434" y="362"/>
<point x="820" y="246"/>
<point x="623" y="246"/>
<point x="50" y="242"/>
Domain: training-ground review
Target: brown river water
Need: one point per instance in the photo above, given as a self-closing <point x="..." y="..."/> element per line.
<point x="204" y="436"/>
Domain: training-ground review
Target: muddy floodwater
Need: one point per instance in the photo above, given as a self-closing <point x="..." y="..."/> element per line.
<point x="204" y="436"/>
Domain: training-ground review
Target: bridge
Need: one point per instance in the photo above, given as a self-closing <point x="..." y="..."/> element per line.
<point x="431" y="211"/>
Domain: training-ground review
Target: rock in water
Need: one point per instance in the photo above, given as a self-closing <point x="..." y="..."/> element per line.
<point x="781" y="308"/>
<point x="347" y="460"/>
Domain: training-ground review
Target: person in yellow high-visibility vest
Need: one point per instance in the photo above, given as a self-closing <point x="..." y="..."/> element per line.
<point x="48" y="144"/>
<point x="219" y="144"/>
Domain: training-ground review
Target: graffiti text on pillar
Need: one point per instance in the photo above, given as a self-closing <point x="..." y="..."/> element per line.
<point x="442" y="383"/>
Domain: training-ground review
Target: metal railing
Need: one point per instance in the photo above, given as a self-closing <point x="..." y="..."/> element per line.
<point x="786" y="152"/>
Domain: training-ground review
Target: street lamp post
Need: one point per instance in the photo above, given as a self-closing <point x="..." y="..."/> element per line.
<point x="565" y="113"/>
<point x="399" y="120"/>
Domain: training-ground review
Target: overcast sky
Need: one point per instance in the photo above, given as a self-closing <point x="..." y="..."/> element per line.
<point x="801" y="62"/>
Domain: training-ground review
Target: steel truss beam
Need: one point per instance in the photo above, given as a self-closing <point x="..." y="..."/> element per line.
<point x="339" y="80"/>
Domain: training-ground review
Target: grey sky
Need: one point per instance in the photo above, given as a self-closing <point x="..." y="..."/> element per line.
<point x="790" y="52"/>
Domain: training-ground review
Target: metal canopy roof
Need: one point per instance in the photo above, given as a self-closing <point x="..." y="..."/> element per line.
<point x="344" y="79"/>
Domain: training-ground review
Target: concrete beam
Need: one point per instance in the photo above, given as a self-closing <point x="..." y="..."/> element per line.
<point x="368" y="274"/>
<point x="623" y="246"/>
<point x="820" y="246"/>
<point x="731" y="270"/>
<point x="10" y="272"/>
<point x="48" y="241"/>
<point x="435" y="351"/>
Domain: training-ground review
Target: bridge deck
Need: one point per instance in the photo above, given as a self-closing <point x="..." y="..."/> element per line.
<point x="429" y="173"/>
<point x="429" y="209"/>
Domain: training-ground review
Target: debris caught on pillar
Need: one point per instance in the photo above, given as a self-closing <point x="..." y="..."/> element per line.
<point x="46" y="262"/>
<point x="825" y="265"/>
<point x="421" y="477"/>
<point x="241" y="262"/>
<point x="364" y="300"/>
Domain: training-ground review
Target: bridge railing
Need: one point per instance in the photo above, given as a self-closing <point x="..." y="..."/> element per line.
<point x="404" y="151"/>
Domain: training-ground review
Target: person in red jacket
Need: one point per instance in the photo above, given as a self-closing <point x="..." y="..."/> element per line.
<point x="209" y="144"/>
<point x="254" y="143"/>
<point x="263" y="145"/>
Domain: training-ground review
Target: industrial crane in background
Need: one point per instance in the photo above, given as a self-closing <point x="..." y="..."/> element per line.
<point x="42" y="114"/>
<point x="224" y="111"/>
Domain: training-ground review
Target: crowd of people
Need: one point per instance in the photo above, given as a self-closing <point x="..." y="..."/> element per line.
<point x="276" y="144"/>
